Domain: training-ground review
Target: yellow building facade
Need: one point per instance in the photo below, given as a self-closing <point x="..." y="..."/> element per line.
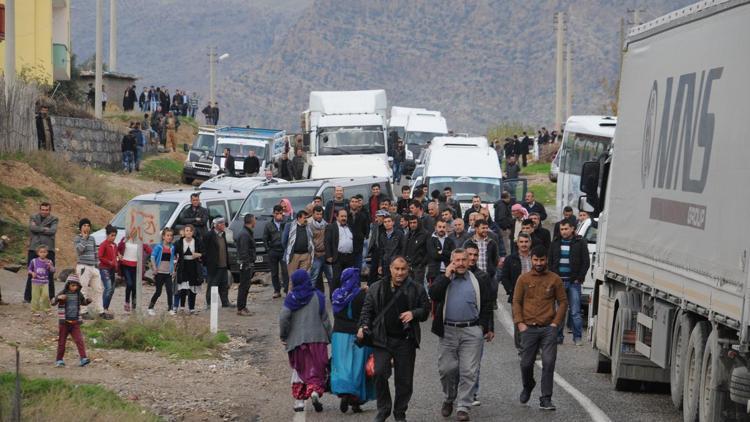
<point x="42" y="37"/>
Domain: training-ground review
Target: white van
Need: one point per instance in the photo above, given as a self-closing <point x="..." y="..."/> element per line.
<point x="421" y="128"/>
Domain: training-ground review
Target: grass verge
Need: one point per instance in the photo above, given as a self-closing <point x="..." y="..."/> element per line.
<point x="162" y="169"/>
<point x="536" y="168"/>
<point x="179" y="340"/>
<point x="74" y="178"/>
<point x="545" y="193"/>
<point x="55" y="399"/>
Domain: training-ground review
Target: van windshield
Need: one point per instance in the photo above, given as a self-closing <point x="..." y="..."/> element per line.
<point x="261" y="201"/>
<point x="464" y="188"/>
<point x="242" y="150"/>
<point x="166" y="209"/>
<point x="420" y="138"/>
<point x="204" y="142"/>
<point x="351" y="140"/>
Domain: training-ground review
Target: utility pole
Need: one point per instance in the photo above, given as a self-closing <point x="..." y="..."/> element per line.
<point x="211" y="74"/>
<point x="10" y="43"/>
<point x="112" y="35"/>
<point x="568" y="80"/>
<point x="560" y="24"/>
<point x="98" y="67"/>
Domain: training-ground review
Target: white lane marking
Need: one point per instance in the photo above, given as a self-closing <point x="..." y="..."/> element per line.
<point x="596" y="414"/>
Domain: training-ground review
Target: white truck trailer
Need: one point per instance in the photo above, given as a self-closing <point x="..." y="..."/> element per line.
<point x="672" y="296"/>
<point x="347" y="132"/>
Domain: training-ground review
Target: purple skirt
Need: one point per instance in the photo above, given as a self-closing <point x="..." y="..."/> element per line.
<point x="310" y="360"/>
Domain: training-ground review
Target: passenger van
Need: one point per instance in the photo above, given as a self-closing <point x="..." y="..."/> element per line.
<point x="261" y="200"/>
<point x="200" y="156"/>
<point x="421" y="128"/>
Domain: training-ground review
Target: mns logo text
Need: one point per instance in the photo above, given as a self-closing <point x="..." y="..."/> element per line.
<point x="676" y="132"/>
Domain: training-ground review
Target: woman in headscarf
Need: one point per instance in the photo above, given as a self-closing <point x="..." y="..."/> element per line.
<point x="288" y="210"/>
<point x="305" y="332"/>
<point x="348" y="379"/>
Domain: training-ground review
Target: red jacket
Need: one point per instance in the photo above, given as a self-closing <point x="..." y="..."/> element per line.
<point x="108" y="256"/>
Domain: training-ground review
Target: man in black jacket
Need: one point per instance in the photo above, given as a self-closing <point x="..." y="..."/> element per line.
<point x="567" y="215"/>
<point x="286" y="170"/>
<point x="229" y="168"/>
<point x="44" y="134"/>
<point x="488" y="247"/>
<point x="217" y="262"/>
<point x="569" y="258"/>
<point x="524" y="147"/>
<point x="395" y="335"/>
<point x="515" y="265"/>
<point x="540" y="235"/>
<point x="272" y="241"/>
<point x="414" y="249"/>
<point x="389" y="246"/>
<point x="339" y="245"/>
<point x="196" y="215"/>
<point x="504" y="218"/>
<point x="463" y="320"/>
<point x="334" y="205"/>
<point x="251" y="165"/>
<point x="476" y="205"/>
<point x="438" y="248"/>
<point x="532" y="206"/>
<point x="246" y="257"/>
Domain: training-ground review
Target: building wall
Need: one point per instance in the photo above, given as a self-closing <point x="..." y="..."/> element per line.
<point x="114" y="86"/>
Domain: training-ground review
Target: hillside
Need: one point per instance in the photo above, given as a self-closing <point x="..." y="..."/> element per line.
<point x="480" y="62"/>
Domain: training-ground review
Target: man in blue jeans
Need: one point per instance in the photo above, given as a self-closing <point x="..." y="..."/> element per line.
<point x="569" y="258"/>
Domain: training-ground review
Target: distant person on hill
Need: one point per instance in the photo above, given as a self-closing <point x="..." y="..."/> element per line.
<point x="143" y="100"/>
<point x="128" y="148"/>
<point x="193" y="104"/>
<point x="251" y="165"/>
<point x="526" y="145"/>
<point x="44" y="134"/>
<point x="512" y="169"/>
<point x="140" y="144"/>
<point x="91" y="95"/>
<point x="171" y="125"/>
<point x="104" y="99"/>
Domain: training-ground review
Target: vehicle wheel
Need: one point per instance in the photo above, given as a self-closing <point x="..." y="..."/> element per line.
<point x="680" y="336"/>
<point x="739" y="387"/>
<point x="603" y="364"/>
<point x="187" y="180"/>
<point x="692" y="367"/>
<point x="617" y="381"/>
<point x="714" y="392"/>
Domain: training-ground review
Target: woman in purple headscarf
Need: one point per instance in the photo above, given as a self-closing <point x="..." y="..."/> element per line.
<point x="305" y="332"/>
<point x="348" y="379"/>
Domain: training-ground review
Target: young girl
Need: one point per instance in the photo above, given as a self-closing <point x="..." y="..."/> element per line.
<point x="189" y="273"/>
<point x="69" y="302"/>
<point x="162" y="261"/>
<point x="128" y="249"/>
<point x="40" y="269"/>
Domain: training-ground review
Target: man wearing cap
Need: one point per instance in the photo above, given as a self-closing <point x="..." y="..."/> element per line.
<point x="297" y="240"/>
<point x="217" y="261"/>
<point x="246" y="257"/>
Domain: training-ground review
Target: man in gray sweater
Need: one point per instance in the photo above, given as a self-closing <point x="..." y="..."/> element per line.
<point x="42" y="229"/>
<point x="86" y="268"/>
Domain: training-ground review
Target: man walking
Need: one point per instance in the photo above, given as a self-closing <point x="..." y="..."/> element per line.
<point x="246" y="257"/>
<point x="463" y="319"/>
<point x="319" y="266"/>
<point x="359" y="223"/>
<point x="391" y="314"/>
<point x="297" y="240"/>
<point x="414" y="249"/>
<point x="476" y="205"/>
<point x="88" y="274"/>
<point x="567" y="215"/>
<point x="42" y="230"/>
<point x="490" y="251"/>
<point x="339" y="244"/>
<point x="390" y="242"/>
<point x="569" y="258"/>
<point x="516" y="264"/>
<point x="272" y="241"/>
<point x="536" y="296"/>
<point x="217" y="262"/>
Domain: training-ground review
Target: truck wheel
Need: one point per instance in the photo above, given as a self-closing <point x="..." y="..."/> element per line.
<point x="187" y="180"/>
<point x="680" y="336"/>
<point x="603" y="364"/>
<point x="739" y="387"/>
<point x="617" y="381"/>
<point x="714" y="389"/>
<point x="692" y="367"/>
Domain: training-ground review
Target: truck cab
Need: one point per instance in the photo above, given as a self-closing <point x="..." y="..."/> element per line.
<point x="421" y="128"/>
<point x="268" y="144"/>
<point x="200" y="156"/>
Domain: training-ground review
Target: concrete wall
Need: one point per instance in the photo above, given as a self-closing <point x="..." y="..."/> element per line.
<point x="90" y="142"/>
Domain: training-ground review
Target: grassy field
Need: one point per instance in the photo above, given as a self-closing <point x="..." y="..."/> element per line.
<point x="545" y="193"/>
<point x="536" y="168"/>
<point x="162" y="169"/>
<point x="176" y="339"/>
<point x="58" y="400"/>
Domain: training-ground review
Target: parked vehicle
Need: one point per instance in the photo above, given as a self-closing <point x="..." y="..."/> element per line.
<point x="200" y="156"/>
<point x="421" y="128"/>
<point x="246" y="184"/>
<point x="268" y="145"/>
<point x="672" y="296"/>
<point x="347" y="128"/>
<point x="399" y="118"/>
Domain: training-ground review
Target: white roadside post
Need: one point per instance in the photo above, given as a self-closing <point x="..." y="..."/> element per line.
<point x="214" y="309"/>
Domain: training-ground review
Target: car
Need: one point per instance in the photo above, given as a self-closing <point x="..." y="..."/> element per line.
<point x="224" y="181"/>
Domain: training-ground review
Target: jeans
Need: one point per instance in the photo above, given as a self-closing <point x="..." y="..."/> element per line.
<point x="27" y="292"/>
<point x="533" y="339"/>
<point x="127" y="161"/>
<point x="403" y="352"/>
<point x="573" y="290"/>
<point x="130" y="277"/>
<point x="108" y="281"/>
<point x="277" y="261"/>
<point x="246" y="274"/>
<point x="320" y="267"/>
<point x="138" y="158"/>
<point x="396" y="172"/>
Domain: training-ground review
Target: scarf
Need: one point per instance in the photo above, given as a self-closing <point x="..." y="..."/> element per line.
<point x="302" y="292"/>
<point x="317" y="225"/>
<point x="347" y="292"/>
<point x="289" y="206"/>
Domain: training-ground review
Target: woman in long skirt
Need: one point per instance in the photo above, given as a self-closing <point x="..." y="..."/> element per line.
<point x="189" y="273"/>
<point x="305" y="332"/>
<point x="348" y="378"/>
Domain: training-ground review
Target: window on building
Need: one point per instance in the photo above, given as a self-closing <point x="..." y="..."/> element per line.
<point x="2" y="22"/>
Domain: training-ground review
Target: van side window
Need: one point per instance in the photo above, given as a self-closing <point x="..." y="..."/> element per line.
<point x="234" y="206"/>
<point x="216" y="209"/>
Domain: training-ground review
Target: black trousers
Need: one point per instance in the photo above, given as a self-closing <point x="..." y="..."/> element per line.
<point x="27" y="291"/>
<point x="533" y="339"/>
<point x="523" y="159"/>
<point x="162" y="280"/>
<point x="246" y="275"/>
<point x="218" y="277"/>
<point x="276" y="260"/>
<point x="403" y="352"/>
<point x="344" y="261"/>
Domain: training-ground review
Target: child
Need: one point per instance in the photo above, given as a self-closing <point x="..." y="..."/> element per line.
<point x="128" y="249"/>
<point x="69" y="302"/>
<point x="162" y="261"/>
<point x="189" y="273"/>
<point x="40" y="269"/>
<point x="108" y="265"/>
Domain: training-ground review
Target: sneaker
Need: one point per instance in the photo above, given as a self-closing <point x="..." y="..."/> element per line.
<point x="84" y="362"/>
<point x="172" y="312"/>
<point x="106" y="316"/>
<point x="447" y="409"/>
<point x="526" y="394"/>
<point x="317" y="405"/>
<point x="476" y="402"/>
<point x="299" y="405"/>
<point x="151" y="311"/>
<point x="60" y="364"/>
<point x="545" y="403"/>
<point x="578" y="342"/>
<point x="462" y="416"/>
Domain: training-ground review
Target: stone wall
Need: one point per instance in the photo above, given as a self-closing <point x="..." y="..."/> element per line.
<point x="90" y="142"/>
